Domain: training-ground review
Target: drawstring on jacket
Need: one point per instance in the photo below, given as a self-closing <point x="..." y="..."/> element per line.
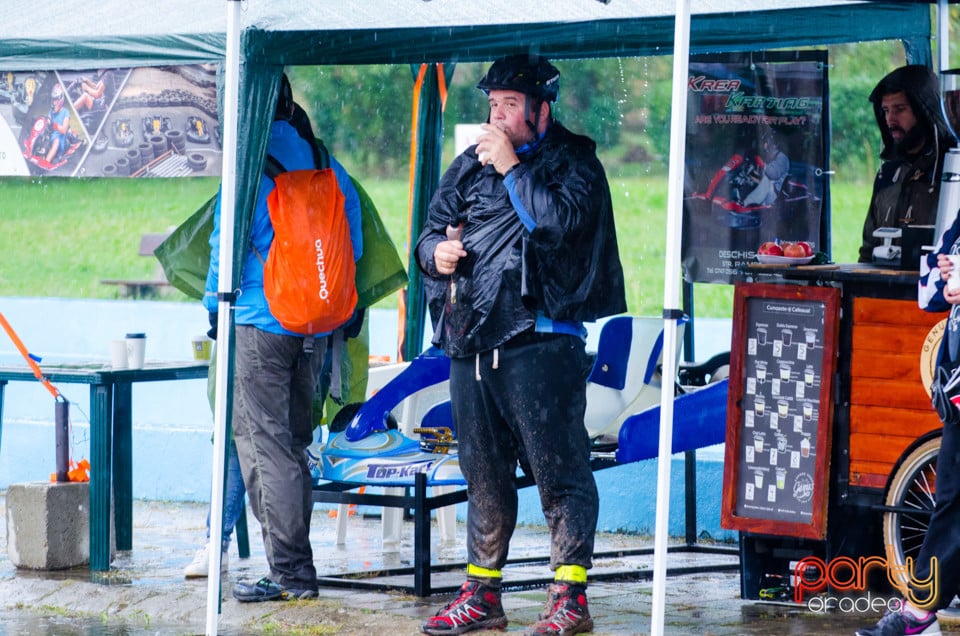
<point x="936" y="158"/>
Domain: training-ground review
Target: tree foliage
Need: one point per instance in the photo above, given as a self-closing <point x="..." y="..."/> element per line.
<point x="364" y="113"/>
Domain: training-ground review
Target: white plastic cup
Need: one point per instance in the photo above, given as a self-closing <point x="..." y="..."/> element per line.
<point x="953" y="283"/>
<point x="136" y="346"/>
<point x="118" y="354"/>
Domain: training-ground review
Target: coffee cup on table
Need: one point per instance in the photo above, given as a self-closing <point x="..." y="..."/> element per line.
<point x="136" y="347"/>
<point x="118" y="354"/>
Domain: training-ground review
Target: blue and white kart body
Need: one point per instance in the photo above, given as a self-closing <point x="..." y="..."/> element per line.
<point x="370" y="452"/>
<point x="623" y="395"/>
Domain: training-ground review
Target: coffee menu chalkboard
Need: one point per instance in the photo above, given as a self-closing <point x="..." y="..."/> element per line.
<point x="779" y="409"/>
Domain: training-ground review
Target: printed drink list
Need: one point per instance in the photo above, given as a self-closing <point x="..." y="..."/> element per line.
<point x="782" y="376"/>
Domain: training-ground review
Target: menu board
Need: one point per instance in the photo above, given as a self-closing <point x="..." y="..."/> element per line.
<point x="779" y="410"/>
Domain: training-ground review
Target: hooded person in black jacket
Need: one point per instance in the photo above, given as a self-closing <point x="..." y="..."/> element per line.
<point x="519" y="248"/>
<point x="915" y="137"/>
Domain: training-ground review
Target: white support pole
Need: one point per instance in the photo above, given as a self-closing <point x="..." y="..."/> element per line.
<point x="943" y="36"/>
<point x="671" y="295"/>
<point x="227" y="213"/>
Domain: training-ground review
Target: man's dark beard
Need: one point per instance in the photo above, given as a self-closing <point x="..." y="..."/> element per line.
<point x="912" y="142"/>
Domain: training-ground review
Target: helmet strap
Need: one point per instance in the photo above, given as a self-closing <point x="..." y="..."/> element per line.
<point x="534" y="125"/>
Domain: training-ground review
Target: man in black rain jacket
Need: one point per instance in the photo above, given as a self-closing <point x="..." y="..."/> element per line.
<point x="518" y="250"/>
<point x="915" y="135"/>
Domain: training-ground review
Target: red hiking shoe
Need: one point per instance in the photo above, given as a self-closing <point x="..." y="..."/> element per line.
<point x="566" y="612"/>
<point x="476" y="607"/>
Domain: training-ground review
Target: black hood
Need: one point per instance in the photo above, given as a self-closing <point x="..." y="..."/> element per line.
<point x="923" y="90"/>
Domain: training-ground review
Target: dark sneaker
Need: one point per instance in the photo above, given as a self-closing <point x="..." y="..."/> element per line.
<point x="476" y="607"/>
<point x="267" y="590"/>
<point x="903" y="624"/>
<point x="566" y="612"/>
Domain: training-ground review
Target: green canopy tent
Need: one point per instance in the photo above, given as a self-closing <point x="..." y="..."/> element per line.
<point x="257" y="38"/>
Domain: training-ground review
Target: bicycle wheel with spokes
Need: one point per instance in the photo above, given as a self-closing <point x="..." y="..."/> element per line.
<point x="912" y="495"/>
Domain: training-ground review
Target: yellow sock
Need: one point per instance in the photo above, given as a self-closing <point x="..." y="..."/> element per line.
<point x="478" y="572"/>
<point x="571" y="574"/>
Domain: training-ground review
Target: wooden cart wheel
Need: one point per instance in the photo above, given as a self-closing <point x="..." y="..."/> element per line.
<point x="913" y="492"/>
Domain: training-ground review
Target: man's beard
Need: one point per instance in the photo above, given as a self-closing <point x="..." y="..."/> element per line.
<point x="912" y="142"/>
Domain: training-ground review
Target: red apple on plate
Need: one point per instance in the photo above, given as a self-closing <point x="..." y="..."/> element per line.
<point x="770" y="248"/>
<point x="794" y="250"/>
<point x="807" y="248"/>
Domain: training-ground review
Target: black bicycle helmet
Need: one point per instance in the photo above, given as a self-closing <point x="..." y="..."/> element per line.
<point x="529" y="74"/>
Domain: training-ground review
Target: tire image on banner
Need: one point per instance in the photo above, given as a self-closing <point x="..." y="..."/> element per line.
<point x="111" y="122"/>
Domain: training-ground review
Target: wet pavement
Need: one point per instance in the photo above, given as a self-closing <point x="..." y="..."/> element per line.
<point x="145" y="592"/>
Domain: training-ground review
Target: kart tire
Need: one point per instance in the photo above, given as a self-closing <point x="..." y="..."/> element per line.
<point x="159" y="143"/>
<point x="134" y="157"/>
<point x="196" y="161"/>
<point x="176" y="141"/>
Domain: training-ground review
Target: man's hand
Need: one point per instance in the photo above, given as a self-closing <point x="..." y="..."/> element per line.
<point x="448" y="253"/>
<point x="945" y="265"/>
<point x="495" y="148"/>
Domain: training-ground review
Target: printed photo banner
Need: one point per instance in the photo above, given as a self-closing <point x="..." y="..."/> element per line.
<point x="142" y="122"/>
<point x="756" y="159"/>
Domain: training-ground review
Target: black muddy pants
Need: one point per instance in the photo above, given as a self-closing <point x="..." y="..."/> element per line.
<point x="525" y="402"/>
<point x="942" y="541"/>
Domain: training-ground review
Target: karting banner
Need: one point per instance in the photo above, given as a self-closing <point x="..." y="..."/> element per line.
<point x="756" y="158"/>
<point x="141" y="122"/>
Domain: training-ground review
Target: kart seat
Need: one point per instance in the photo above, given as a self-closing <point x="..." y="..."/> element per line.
<point x="625" y="377"/>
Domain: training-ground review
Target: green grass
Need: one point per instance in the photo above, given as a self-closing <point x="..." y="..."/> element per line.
<point x="60" y="237"/>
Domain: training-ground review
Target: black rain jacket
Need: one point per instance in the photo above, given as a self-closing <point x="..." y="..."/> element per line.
<point x="567" y="267"/>
<point x="906" y="188"/>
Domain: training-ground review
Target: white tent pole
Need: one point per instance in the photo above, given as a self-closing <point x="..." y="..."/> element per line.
<point x="227" y="213"/>
<point x="671" y="294"/>
<point x="943" y="36"/>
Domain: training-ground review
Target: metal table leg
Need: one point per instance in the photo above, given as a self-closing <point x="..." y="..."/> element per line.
<point x="100" y="472"/>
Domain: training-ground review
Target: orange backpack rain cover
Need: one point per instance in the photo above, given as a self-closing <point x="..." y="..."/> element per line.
<point x="309" y="274"/>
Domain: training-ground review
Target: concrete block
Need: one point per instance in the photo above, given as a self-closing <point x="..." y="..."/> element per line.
<point x="48" y="525"/>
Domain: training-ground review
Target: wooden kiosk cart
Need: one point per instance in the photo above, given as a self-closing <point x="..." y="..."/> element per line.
<point x="831" y="438"/>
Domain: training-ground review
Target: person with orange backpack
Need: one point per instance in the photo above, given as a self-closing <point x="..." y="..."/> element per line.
<point x="276" y="371"/>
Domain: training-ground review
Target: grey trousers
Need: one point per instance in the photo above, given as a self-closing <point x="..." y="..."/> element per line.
<point x="274" y="383"/>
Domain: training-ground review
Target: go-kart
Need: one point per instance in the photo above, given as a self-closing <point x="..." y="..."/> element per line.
<point x="22" y="97"/>
<point x="38" y="143"/>
<point x="728" y="195"/>
<point x="371" y="449"/>
<point x="122" y="132"/>
<point x="155" y="125"/>
<point x="407" y="428"/>
<point x="197" y="130"/>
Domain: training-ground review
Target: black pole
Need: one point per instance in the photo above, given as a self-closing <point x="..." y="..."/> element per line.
<point x="62" y="420"/>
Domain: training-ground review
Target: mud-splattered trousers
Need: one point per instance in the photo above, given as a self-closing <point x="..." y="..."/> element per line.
<point x="524" y="401"/>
